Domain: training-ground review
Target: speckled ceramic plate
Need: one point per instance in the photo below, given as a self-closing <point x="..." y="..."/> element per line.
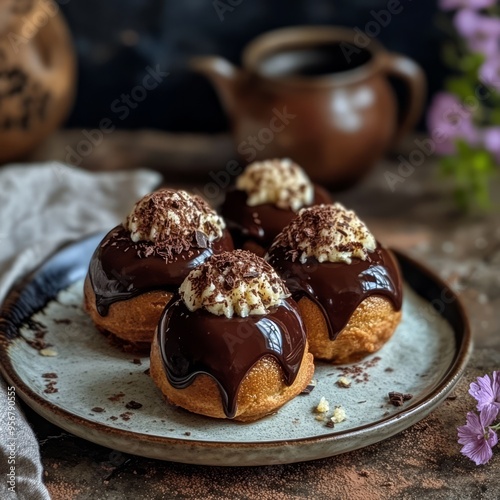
<point x="95" y="391"/>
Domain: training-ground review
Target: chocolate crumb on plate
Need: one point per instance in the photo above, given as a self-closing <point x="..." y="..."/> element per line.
<point x="398" y="398"/>
<point x="187" y="433"/>
<point x="137" y="361"/>
<point x="116" y="397"/>
<point x="63" y="321"/>
<point x="133" y="405"/>
<point x="97" y="409"/>
<point x="50" y="388"/>
<point x="309" y="388"/>
<point x="49" y="375"/>
<point x="330" y="424"/>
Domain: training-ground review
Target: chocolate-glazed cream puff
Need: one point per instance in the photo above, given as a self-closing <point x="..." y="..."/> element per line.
<point x="347" y="285"/>
<point x="140" y="264"/>
<point x="232" y="344"/>
<point x="265" y="198"/>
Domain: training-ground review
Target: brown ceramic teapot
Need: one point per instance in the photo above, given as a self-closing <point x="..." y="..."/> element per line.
<point x="316" y="95"/>
<point x="37" y="74"/>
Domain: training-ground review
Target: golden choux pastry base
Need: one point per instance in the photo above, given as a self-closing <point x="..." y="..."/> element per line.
<point x="262" y="392"/>
<point x="369" y="328"/>
<point x="133" y="321"/>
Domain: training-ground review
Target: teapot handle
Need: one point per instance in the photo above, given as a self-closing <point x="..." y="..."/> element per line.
<point x="413" y="77"/>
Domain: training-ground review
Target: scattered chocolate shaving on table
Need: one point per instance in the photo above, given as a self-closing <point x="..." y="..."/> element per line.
<point x="62" y="321"/>
<point x="38" y="344"/>
<point x="133" y="405"/>
<point x="116" y="397"/>
<point x="97" y="409"/>
<point x="309" y="388"/>
<point x="358" y="371"/>
<point x="398" y="398"/>
<point x="50" y="388"/>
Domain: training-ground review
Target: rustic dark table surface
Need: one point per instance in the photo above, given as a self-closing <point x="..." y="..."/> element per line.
<point x="419" y="218"/>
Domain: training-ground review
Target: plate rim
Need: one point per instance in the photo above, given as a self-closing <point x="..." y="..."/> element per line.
<point x="444" y="386"/>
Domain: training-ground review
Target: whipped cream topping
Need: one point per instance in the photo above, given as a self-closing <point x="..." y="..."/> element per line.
<point x="233" y="283"/>
<point x="329" y="233"/>
<point x="280" y="182"/>
<point x="175" y="218"/>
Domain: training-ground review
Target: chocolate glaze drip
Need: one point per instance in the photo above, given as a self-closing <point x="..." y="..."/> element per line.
<point x="338" y="288"/>
<point x="260" y="223"/>
<point x="121" y="269"/>
<point x="226" y="349"/>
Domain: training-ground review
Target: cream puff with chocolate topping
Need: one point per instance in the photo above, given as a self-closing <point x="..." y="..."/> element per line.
<point x="232" y="344"/>
<point x="265" y="198"/>
<point x="140" y="264"/>
<point x="347" y="285"/>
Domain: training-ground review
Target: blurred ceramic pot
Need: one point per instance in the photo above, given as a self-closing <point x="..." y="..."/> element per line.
<point x="37" y="74"/>
<point x="316" y="95"/>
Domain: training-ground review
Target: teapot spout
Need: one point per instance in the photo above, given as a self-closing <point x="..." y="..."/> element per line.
<point x="224" y="76"/>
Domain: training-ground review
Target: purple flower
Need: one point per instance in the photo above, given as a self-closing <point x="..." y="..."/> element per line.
<point x="447" y="121"/>
<point x="463" y="4"/>
<point x="482" y="33"/>
<point x="489" y="73"/>
<point x="487" y="390"/>
<point x="476" y="436"/>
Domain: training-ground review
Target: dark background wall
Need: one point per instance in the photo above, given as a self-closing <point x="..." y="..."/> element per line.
<point x="117" y="40"/>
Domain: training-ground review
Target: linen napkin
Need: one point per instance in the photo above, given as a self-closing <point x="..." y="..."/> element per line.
<point x="43" y="206"/>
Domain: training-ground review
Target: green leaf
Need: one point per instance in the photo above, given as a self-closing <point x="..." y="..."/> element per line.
<point x="460" y="86"/>
<point x="471" y="169"/>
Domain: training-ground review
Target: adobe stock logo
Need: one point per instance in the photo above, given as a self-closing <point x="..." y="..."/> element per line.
<point x="34" y="20"/>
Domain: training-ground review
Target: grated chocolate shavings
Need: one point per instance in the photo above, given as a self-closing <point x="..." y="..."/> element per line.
<point x="309" y="388"/>
<point x="116" y="397"/>
<point x="62" y="321"/>
<point x="398" y="398"/>
<point x="133" y="405"/>
<point x="226" y="271"/>
<point x="179" y="221"/>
